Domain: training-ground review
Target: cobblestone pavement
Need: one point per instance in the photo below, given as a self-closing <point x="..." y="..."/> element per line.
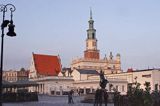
<point x="52" y="101"/>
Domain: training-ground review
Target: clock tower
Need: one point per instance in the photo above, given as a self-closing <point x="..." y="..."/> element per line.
<point x="91" y="51"/>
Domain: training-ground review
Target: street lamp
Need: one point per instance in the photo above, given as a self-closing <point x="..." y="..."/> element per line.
<point x="11" y="33"/>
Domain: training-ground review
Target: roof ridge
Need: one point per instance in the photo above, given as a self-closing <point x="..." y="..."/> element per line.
<point x="45" y="55"/>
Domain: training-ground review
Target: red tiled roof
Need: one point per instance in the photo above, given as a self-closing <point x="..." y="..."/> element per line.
<point x="47" y="65"/>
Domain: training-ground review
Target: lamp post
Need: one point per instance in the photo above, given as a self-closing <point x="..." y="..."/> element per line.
<point x="11" y="33"/>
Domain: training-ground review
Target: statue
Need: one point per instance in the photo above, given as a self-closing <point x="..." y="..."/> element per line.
<point x="101" y="94"/>
<point x="103" y="81"/>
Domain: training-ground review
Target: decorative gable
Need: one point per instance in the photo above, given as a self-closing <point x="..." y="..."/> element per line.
<point x="46" y="65"/>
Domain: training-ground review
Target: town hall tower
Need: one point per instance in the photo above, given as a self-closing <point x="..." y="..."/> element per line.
<point x="91" y="60"/>
<point x="91" y="51"/>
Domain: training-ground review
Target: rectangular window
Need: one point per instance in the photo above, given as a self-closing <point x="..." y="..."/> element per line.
<point x="147" y="75"/>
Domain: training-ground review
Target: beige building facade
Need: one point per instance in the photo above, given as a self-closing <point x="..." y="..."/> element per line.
<point x="13" y="76"/>
<point x="10" y="76"/>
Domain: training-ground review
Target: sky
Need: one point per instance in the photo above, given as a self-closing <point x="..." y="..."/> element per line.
<point x="58" y="27"/>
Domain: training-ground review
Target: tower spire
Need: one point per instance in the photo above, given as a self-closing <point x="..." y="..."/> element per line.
<point x="90" y="13"/>
<point x="91" y="32"/>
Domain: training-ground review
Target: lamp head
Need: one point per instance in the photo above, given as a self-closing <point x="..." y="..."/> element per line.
<point x="5" y="23"/>
<point x="11" y="32"/>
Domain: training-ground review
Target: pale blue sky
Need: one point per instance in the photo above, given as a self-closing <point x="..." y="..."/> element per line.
<point x="128" y="27"/>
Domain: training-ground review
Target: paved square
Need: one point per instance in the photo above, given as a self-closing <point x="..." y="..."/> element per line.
<point x="53" y="101"/>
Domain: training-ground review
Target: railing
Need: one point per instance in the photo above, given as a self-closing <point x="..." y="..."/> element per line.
<point x="116" y="79"/>
<point x="52" y="77"/>
<point x="83" y="59"/>
<point x="95" y="60"/>
<point x="97" y="80"/>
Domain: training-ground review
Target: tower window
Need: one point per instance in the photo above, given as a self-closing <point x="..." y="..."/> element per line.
<point x="93" y="36"/>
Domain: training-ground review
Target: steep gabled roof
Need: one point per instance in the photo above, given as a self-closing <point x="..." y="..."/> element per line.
<point x="47" y="65"/>
<point x="83" y="71"/>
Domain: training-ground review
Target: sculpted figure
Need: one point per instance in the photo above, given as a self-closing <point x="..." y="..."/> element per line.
<point x="103" y="81"/>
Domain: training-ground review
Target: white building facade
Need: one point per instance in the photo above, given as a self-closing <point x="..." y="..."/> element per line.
<point x="88" y="81"/>
<point x="53" y="85"/>
<point x="140" y="76"/>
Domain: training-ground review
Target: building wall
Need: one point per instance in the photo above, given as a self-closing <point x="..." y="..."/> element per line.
<point x="91" y="54"/>
<point x="91" y="82"/>
<point x="92" y="85"/>
<point x="56" y="85"/>
<point x="13" y="76"/>
<point x="10" y="76"/>
<point x="91" y="44"/>
<point x="53" y="85"/>
<point x="22" y="75"/>
<point x="110" y="66"/>
<point x="156" y="78"/>
<point x="80" y="63"/>
<point x="123" y="75"/>
<point x="84" y="76"/>
<point x="142" y="77"/>
<point x="32" y="72"/>
<point x="60" y="74"/>
<point x="76" y="75"/>
<point x="152" y="76"/>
